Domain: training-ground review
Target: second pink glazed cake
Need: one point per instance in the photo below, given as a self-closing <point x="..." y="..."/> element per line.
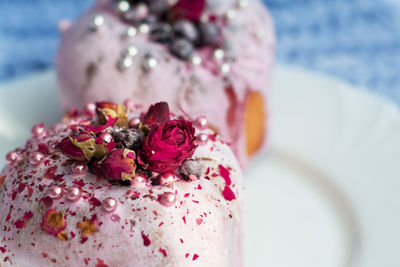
<point x="208" y="58"/>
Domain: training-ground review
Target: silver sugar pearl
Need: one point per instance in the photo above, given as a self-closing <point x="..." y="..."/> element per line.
<point x="172" y="2"/>
<point x="131" y="50"/>
<point x="231" y="14"/>
<point x="243" y="3"/>
<point x="98" y="21"/>
<point x="225" y="68"/>
<point x="125" y="63"/>
<point x="204" y="18"/>
<point x="196" y="60"/>
<point x="149" y="63"/>
<point x="219" y="54"/>
<point x="131" y="32"/>
<point x="259" y="35"/>
<point x="123" y="6"/>
<point x="144" y="28"/>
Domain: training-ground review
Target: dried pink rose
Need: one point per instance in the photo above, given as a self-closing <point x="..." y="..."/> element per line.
<point x="53" y="222"/>
<point x="157" y="113"/>
<point x="81" y="146"/>
<point x="119" y="165"/>
<point x="107" y="110"/>
<point x="188" y="9"/>
<point x="167" y="145"/>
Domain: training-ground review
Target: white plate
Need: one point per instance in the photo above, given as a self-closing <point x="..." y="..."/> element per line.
<point x="325" y="194"/>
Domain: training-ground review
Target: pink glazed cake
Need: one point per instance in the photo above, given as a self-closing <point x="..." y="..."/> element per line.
<point x="207" y="57"/>
<point x="109" y="187"/>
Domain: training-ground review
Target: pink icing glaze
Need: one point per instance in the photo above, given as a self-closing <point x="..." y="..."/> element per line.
<point x="199" y="228"/>
<point x="87" y="69"/>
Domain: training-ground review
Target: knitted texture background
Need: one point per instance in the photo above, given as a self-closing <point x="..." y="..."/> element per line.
<point x="355" y="40"/>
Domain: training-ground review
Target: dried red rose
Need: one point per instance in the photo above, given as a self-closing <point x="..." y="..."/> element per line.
<point x="188" y="9"/>
<point x="167" y="145"/>
<point x="80" y="146"/>
<point x="53" y="222"/>
<point x="119" y="165"/>
<point x="157" y="113"/>
<point x="107" y="110"/>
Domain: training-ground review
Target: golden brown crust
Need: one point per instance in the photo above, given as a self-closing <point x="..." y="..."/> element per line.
<point x="254" y="122"/>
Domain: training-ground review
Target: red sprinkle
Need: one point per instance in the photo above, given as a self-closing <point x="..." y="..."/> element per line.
<point x="228" y="194"/>
<point x="163" y="251"/>
<point x="225" y="174"/>
<point x="50" y="173"/>
<point x="3" y="250"/>
<point x="199" y="221"/>
<point x="44" y="149"/>
<point x="20" y="224"/>
<point x="184" y="219"/>
<point x="95" y="202"/>
<point x="146" y="240"/>
<point x="195" y="256"/>
<point x="21" y="187"/>
<point x="47" y="201"/>
<point x="28" y="215"/>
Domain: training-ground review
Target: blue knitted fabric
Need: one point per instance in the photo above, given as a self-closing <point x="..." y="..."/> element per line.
<point x="355" y="40"/>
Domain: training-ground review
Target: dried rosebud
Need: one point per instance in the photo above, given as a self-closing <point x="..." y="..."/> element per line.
<point x="106" y="110"/>
<point x="100" y="152"/>
<point x="188" y="9"/>
<point x="119" y="165"/>
<point x="157" y="113"/>
<point x="130" y="138"/>
<point x="167" y="145"/>
<point x="79" y="146"/>
<point x="53" y="222"/>
<point x="190" y="169"/>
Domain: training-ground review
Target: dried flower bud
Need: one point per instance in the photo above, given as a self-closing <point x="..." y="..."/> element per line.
<point x="106" y="110"/>
<point x="81" y="146"/>
<point x="119" y="165"/>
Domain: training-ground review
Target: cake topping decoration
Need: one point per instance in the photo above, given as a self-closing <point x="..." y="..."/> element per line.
<point x="191" y="169"/>
<point x="119" y="165"/>
<point x="182" y="25"/>
<point x="55" y="192"/>
<point x="12" y="157"/>
<point x="74" y="193"/>
<point x="202" y="139"/>
<point x="188" y="9"/>
<point x="39" y="131"/>
<point x="167" y="199"/>
<point x="156" y="151"/>
<point x="80" y="146"/>
<point x="109" y="204"/>
<point x="167" y="145"/>
<point x="157" y="113"/>
<point x="53" y="222"/>
<point x="36" y="158"/>
<point x="88" y="227"/>
<point x="79" y="168"/>
<point x="107" y="110"/>
<point x="97" y="22"/>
